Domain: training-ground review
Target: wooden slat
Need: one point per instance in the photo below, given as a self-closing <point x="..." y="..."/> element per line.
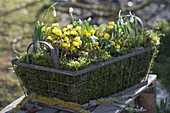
<point x="12" y="105"/>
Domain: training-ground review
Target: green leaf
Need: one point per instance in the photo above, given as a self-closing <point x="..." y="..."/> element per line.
<point x="75" y="23"/>
<point x="87" y="26"/>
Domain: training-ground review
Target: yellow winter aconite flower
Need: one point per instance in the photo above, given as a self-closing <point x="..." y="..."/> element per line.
<point x="48" y="30"/>
<point x="77" y="39"/>
<point x="66" y="39"/>
<point x="64" y="29"/>
<point x="73" y="48"/>
<point x="68" y="45"/>
<point x="76" y="44"/>
<point x="119" y="41"/>
<point x="83" y="32"/>
<point x="64" y="44"/>
<point x="111" y="23"/>
<point x="67" y="33"/>
<point x="112" y="43"/>
<point x="88" y="35"/>
<point x="96" y="43"/>
<point x="43" y="29"/>
<point x="117" y="47"/>
<point x="73" y="32"/>
<point x="92" y="31"/>
<point x="55" y="24"/>
<point x="106" y="36"/>
<point x="110" y="27"/>
<point x="50" y="38"/>
<point x="54" y="42"/>
<point x="57" y="31"/>
<point x="78" y="28"/>
<point x="70" y="26"/>
<point x="63" y="35"/>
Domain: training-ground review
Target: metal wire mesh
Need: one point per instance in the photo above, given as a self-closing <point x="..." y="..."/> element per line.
<point x="86" y="85"/>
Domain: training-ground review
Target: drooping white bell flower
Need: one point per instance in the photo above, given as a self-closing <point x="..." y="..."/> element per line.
<point x="131" y="18"/>
<point x="89" y="19"/>
<point x="80" y="21"/>
<point x="70" y="10"/>
<point x="54" y="13"/>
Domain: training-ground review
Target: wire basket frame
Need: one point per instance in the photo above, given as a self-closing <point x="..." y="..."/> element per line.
<point x="96" y="81"/>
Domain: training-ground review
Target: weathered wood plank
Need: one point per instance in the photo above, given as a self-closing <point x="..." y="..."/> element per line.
<point x="12" y="105"/>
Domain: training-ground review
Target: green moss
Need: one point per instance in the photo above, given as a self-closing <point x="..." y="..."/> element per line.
<point x="98" y="83"/>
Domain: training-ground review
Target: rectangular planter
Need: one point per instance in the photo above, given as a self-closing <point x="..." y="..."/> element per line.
<point x="96" y="81"/>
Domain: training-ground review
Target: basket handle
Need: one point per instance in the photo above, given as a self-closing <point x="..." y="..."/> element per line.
<point x="52" y="50"/>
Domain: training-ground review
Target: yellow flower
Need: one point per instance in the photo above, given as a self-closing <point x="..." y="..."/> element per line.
<point x="64" y="44"/>
<point x="106" y="36"/>
<point x="48" y="30"/>
<point x="70" y="26"/>
<point x="76" y="44"/>
<point x="63" y="35"/>
<point x="112" y="43"/>
<point x="84" y="32"/>
<point x="43" y="29"/>
<point x="110" y="27"/>
<point x="67" y="33"/>
<point x="88" y="35"/>
<point x="55" y="24"/>
<point x="117" y="46"/>
<point x="73" y="32"/>
<point x="96" y="43"/>
<point x="78" y="28"/>
<point x="57" y="31"/>
<point x="54" y="42"/>
<point x="66" y="39"/>
<point x="92" y="31"/>
<point x="50" y="38"/>
<point x="119" y="41"/>
<point x="73" y="48"/>
<point x="64" y="29"/>
<point x="111" y="23"/>
<point x="77" y="39"/>
<point x="68" y="45"/>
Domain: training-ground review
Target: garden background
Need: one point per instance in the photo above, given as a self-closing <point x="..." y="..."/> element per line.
<point x="18" y="17"/>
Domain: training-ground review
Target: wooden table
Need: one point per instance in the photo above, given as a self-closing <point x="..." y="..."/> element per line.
<point x="144" y="96"/>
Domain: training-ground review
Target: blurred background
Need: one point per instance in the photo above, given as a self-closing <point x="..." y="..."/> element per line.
<point x="18" y="17"/>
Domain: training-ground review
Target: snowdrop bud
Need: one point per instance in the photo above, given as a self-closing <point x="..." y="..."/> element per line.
<point x="131" y="19"/>
<point x="89" y="19"/>
<point x="54" y="13"/>
<point x="80" y="21"/>
<point x="121" y="21"/>
<point x="70" y="10"/>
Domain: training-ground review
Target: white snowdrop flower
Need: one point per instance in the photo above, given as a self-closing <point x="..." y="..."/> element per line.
<point x="89" y="19"/>
<point x="80" y="21"/>
<point x="121" y="21"/>
<point x="131" y="19"/>
<point x="70" y="10"/>
<point x="54" y="13"/>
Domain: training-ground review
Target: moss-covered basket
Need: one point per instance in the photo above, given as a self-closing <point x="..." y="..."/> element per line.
<point x="82" y="62"/>
<point x="95" y="81"/>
